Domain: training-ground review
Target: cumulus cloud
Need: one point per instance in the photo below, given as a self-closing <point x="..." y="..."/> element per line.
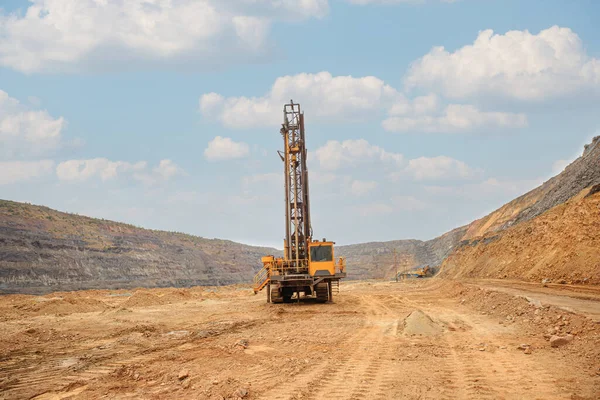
<point x="323" y="96"/>
<point x="345" y="98"/>
<point x="222" y="148"/>
<point x="19" y="171"/>
<point x="26" y="132"/>
<point x="71" y="35"/>
<point x="453" y="118"/>
<point x="106" y="170"/>
<point x="361" y="188"/>
<point x="82" y="170"/>
<point x="334" y="155"/>
<point x="517" y="65"/>
<point x="436" y="168"/>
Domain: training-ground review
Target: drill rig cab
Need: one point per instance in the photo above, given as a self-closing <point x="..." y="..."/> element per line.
<point x="308" y="267"/>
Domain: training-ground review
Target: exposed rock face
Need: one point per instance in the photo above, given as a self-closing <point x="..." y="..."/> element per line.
<point x="43" y="250"/>
<point x="376" y="260"/>
<point x="561" y="245"/>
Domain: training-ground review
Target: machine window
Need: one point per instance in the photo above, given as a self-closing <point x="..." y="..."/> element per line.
<point x="321" y="253"/>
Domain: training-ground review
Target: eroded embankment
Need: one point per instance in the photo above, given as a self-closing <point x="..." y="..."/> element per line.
<point x="560" y="245"/>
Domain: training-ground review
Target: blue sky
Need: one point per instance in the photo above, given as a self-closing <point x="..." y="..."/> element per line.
<point x="421" y="115"/>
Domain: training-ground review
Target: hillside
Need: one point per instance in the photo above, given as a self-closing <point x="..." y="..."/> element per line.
<point x="375" y="260"/>
<point x="561" y="245"/>
<point x="46" y="250"/>
<point x="582" y="173"/>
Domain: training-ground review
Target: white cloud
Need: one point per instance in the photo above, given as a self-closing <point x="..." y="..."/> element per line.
<point x="334" y="155"/>
<point x="323" y="96"/>
<point x="27" y="132"/>
<point x="454" y="118"/>
<point x="222" y="148"/>
<point x="71" y="35"/>
<point x="165" y="170"/>
<point x="82" y="170"/>
<point x="344" y="98"/>
<point x="517" y="65"/>
<point x="442" y="167"/>
<point x="361" y="188"/>
<point x="18" y="171"/>
<point x="105" y="170"/>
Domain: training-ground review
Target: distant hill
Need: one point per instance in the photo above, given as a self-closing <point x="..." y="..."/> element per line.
<point x="375" y="260"/>
<point x="44" y="250"/>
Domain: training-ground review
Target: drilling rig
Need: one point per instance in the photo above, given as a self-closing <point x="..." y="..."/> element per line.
<point x="308" y="267"/>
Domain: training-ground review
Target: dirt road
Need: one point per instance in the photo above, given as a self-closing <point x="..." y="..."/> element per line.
<point x="414" y="340"/>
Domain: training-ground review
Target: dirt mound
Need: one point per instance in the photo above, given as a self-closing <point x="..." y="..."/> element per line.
<point x="419" y="323"/>
<point x="560" y="246"/>
<point x="177" y="295"/>
<point x="143" y="298"/>
<point x="58" y="305"/>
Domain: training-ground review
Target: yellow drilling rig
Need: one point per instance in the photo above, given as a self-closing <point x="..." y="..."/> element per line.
<point x="308" y="267"/>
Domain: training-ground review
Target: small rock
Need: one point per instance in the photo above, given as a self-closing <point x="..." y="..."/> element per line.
<point x="557" y="341"/>
<point x="184" y="373"/>
<point x="186" y="384"/>
<point x="523" y="347"/>
<point x="241" y="392"/>
<point x="244" y="343"/>
<point x="527" y="350"/>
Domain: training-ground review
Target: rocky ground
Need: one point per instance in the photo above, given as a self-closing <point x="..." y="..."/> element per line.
<point x="425" y="339"/>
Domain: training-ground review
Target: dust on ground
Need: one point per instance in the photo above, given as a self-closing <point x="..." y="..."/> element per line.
<point x="432" y="339"/>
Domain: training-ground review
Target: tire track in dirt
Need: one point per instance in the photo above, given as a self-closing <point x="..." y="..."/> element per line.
<point x="356" y="377"/>
<point x="339" y="377"/>
<point x="310" y="378"/>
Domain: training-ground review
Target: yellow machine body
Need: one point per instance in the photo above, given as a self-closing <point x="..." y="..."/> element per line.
<point x="321" y="258"/>
<point x="308" y="267"/>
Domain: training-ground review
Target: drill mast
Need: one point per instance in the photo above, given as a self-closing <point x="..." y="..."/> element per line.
<point x="298" y="232"/>
<point x="308" y="267"/>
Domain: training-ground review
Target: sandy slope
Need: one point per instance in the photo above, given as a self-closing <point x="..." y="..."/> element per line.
<point x="415" y="340"/>
<point x="560" y="245"/>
